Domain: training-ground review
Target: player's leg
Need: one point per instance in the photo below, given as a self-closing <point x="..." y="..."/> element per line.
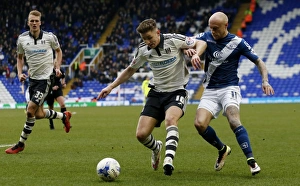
<point x="43" y="90"/>
<point x="144" y="135"/>
<point x="58" y="95"/>
<point x="51" y="114"/>
<point x="27" y="129"/>
<point x="202" y="120"/>
<point x="50" y="102"/>
<point x="232" y="113"/>
<point x="151" y="116"/>
<point x="36" y="97"/>
<point x="174" y="109"/>
<point x="208" y="109"/>
<point x="173" y="114"/>
<point x="61" y="101"/>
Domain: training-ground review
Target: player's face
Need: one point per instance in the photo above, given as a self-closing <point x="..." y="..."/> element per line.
<point x="218" y="30"/>
<point x="151" y="38"/>
<point x="34" y="23"/>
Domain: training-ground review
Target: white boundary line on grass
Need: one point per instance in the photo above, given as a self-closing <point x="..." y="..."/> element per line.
<point x="6" y="145"/>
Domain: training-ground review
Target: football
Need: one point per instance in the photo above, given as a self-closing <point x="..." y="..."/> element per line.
<point x="108" y="169"/>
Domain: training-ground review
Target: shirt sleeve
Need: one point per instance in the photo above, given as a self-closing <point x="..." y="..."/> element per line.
<point x="201" y="36"/>
<point x="20" y="49"/>
<point x="138" y="59"/>
<point x="54" y="41"/>
<point x="248" y="51"/>
<point x="181" y="41"/>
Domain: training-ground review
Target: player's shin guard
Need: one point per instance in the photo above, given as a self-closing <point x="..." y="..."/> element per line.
<point x="27" y="129"/>
<point x="172" y="139"/>
<point x="211" y="137"/>
<point x="243" y="140"/>
<point x="51" y="114"/>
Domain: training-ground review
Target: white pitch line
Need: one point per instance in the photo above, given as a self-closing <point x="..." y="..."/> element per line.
<point x="6" y="145"/>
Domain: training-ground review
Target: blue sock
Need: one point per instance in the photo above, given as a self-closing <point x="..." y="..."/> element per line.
<point x="243" y="140"/>
<point x="211" y="137"/>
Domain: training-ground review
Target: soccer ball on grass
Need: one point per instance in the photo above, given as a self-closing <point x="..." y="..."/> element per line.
<point x="108" y="169"/>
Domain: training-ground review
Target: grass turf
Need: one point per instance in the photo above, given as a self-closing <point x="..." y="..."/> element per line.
<point x="52" y="157"/>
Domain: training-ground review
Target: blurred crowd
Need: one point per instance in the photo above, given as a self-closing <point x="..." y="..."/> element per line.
<point x="187" y="17"/>
<point x="75" y="23"/>
<point x="81" y="23"/>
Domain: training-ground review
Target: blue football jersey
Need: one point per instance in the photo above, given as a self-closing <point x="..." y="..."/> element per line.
<point x="222" y="57"/>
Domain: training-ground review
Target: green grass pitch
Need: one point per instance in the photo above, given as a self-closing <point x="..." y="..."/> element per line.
<point x="52" y="157"/>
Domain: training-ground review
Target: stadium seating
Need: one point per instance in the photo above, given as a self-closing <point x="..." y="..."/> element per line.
<point x="11" y="91"/>
<point x="130" y="91"/>
<point x="274" y="34"/>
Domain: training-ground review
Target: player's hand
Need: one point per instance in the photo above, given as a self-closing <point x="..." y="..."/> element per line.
<point x="267" y="88"/>
<point x="57" y="72"/>
<point x="55" y="87"/>
<point x="196" y="62"/>
<point x="22" y="77"/>
<point x="189" y="52"/>
<point x="104" y="92"/>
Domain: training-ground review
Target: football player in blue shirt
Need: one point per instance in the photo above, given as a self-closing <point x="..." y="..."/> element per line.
<point x="222" y="54"/>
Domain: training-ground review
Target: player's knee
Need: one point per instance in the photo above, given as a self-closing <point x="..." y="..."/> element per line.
<point x="200" y="125"/>
<point x="29" y="114"/>
<point x="30" y="111"/>
<point x="234" y="123"/>
<point x="140" y="136"/>
<point x="39" y="115"/>
<point x="169" y="121"/>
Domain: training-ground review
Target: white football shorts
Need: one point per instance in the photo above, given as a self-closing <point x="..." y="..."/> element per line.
<point x="218" y="99"/>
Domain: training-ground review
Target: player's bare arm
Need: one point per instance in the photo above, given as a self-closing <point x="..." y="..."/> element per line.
<point x="63" y="82"/>
<point x="266" y="87"/>
<point x="58" y="60"/>
<point x="200" y="48"/>
<point x="124" y="76"/>
<point x="20" y="62"/>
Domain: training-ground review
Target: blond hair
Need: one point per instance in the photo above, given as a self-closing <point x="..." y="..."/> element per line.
<point x="35" y="13"/>
<point x="146" y="25"/>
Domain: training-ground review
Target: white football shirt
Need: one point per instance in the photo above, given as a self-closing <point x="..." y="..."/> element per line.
<point x="166" y="61"/>
<point x="38" y="53"/>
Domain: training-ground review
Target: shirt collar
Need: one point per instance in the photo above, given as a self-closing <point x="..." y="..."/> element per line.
<point x="40" y="35"/>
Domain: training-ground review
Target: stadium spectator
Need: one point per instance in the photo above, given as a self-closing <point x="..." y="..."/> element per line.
<point x="248" y="16"/>
<point x="76" y="69"/>
<point x="145" y="88"/>
<point x="168" y="97"/>
<point x="169" y="22"/>
<point x="239" y="33"/>
<point x="78" y="29"/>
<point x="221" y="86"/>
<point x="7" y="73"/>
<point x="40" y="61"/>
<point x="65" y="16"/>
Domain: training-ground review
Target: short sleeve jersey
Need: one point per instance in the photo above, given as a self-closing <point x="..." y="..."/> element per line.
<point x="222" y="58"/>
<point x="38" y="53"/>
<point x="166" y="61"/>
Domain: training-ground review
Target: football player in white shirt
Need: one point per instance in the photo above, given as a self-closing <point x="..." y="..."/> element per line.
<point x="37" y="46"/>
<point x="168" y="97"/>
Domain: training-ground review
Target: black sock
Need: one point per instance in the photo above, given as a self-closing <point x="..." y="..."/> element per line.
<point x="20" y="144"/>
